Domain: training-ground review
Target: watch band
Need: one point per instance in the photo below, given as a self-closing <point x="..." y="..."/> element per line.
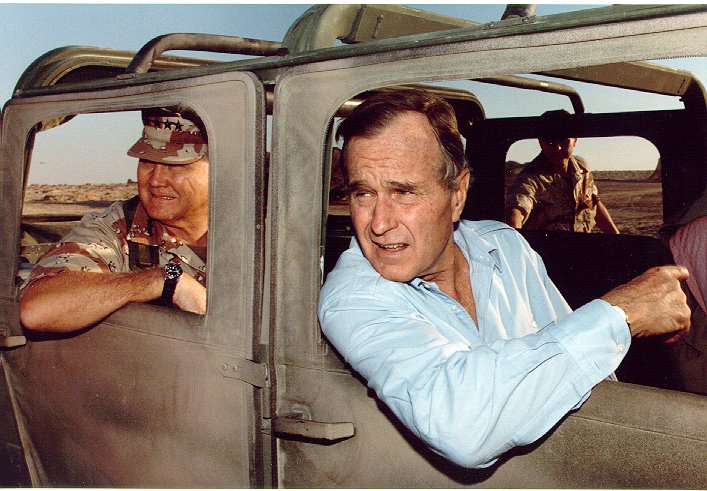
<point x="171" y="273"/>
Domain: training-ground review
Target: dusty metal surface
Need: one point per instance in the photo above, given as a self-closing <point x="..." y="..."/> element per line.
<point x="251" y="394"/>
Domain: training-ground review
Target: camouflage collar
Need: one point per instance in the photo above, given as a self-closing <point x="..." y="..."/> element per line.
<point x="150" y="232"/>
<point x="577" y="166"/>
<point x="145" y="230"/>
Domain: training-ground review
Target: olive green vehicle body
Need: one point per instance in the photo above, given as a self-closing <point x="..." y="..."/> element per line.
<point x="251" y="394"/>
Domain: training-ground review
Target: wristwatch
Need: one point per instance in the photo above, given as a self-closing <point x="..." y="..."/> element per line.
<point x="171" y="274"/>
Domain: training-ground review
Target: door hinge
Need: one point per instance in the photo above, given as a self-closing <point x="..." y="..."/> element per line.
<point x="248" y="371"/>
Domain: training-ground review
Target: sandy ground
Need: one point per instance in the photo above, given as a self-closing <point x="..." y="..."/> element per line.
<point x="634" y="202"/>
<point x="69" y="199"/>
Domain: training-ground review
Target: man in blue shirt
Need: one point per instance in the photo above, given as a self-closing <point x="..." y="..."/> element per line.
<point x="461" y="332"/>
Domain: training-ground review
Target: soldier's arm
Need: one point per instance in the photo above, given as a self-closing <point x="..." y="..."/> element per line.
<point x="515" y="217"/>
<point x="604" y="220"/>
<point x="74" y="300"/>
<point x="520" y="200"/>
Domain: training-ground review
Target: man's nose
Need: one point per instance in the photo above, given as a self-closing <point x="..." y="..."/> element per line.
<point x="158" y="176"/>
<point x="384" y="216"/>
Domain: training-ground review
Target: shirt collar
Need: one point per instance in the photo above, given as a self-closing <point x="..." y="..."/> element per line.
<point x="474" y="247"/>
<point x="144" y="230"/>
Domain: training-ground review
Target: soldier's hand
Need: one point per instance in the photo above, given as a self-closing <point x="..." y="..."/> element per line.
<point x="190" y="295"/>
<point x="654" y="302"/>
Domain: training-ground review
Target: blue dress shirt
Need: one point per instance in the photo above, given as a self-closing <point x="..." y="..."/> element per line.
<point x="472" y="392"/>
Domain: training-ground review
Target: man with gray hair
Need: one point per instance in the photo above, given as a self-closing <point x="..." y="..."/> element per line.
<point x="455" y="324"/>
<point x="151" y="248"/>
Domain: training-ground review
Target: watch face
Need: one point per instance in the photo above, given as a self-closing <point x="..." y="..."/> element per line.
<point x="172" y="271"/>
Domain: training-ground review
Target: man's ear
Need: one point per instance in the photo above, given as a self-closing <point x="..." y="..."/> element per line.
<point x="459" y="193"/>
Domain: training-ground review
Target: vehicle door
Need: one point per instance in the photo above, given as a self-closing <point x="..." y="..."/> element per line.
<point x="330" y="430"/>
<point x="151" y="396"/>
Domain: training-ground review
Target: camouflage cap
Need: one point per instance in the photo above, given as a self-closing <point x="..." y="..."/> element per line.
<point x="170" y="138"/>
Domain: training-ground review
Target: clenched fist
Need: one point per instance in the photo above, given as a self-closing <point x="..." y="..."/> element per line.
<point x="654" y="302"/>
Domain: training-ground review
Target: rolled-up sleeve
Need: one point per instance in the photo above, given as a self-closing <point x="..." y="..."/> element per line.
<point x="522" y="194"/>
<point x="94" y="245"/>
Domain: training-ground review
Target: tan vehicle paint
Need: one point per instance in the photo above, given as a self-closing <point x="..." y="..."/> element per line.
<point x="250" y="394"/>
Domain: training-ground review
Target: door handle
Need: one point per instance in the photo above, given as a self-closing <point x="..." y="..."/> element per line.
<point x="11" y="335"/>
<point x="295" y="424"/>
<point x="12" y="341"/>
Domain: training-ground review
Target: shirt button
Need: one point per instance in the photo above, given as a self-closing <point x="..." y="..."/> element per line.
<point x="620" y="348"/>
<point x="454" y="308"/>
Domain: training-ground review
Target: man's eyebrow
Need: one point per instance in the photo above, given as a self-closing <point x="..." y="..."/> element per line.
<point x="402" y="186"/>
<point x="354" y="186"/>
<point x="406" y="186"/>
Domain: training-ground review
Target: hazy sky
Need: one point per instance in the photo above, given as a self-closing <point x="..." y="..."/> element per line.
<point x="29" y="30"/>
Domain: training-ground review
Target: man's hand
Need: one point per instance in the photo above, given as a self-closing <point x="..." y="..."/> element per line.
<point x="654" y="302"/>
<point x="190" y="295"/>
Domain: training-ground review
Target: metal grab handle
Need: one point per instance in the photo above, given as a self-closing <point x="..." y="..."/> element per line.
<point x="12" y="341"/>
<point x="11" y="334"/>
<point x="295" y="425"/>
<point x="200" y="42"/>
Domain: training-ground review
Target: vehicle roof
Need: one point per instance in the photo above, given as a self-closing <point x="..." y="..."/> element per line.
<point x="86" y="68"/>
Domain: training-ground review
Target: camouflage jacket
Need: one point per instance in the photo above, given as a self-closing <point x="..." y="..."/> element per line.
<point x="100" y="243"/>
<point x="553" y="202"/>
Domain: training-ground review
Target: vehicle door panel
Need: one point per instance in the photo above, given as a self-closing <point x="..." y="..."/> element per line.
<point x="608" y="443"/>
<point x="141" y="400"/>
<point x="589" y="443"/>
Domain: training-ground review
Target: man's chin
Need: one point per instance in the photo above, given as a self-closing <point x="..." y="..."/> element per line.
<point x="393" y="273"/>
<point x="391" y="266"/>
<point x="160" y="213"/>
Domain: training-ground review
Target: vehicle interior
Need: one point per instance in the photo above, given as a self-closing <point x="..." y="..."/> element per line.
<point x="302" y="402"/>
<point x="677" y="135"/>
<point x="583" y="266"/>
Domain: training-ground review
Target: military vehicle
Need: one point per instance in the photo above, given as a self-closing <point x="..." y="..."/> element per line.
<point x="251" y="394"/>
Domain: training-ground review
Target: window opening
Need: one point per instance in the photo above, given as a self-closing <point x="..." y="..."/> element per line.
<point x="626" y="172"/>
<point x="141" y="174"/>
<point x="641" y="180"/>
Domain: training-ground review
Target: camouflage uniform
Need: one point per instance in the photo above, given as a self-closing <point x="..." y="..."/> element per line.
<point x="552" y="203"/>
<point x="100" y="244"/>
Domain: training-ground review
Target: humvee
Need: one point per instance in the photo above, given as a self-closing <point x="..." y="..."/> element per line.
<point x="251" y="394"/>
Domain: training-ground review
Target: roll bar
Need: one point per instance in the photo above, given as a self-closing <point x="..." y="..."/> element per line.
<point x="539" y="85"/>
<point x="200" y="42"/>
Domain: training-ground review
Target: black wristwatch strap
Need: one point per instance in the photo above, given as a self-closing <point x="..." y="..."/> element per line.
<point x="171" y="272"/>
<point x="168" y="292"/>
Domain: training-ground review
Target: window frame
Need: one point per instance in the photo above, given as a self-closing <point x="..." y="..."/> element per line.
<point x="236" y="134"/>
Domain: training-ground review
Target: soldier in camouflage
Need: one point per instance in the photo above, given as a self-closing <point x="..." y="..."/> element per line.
<point x="556" y="191"/>
<point x="134" y="241"/>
